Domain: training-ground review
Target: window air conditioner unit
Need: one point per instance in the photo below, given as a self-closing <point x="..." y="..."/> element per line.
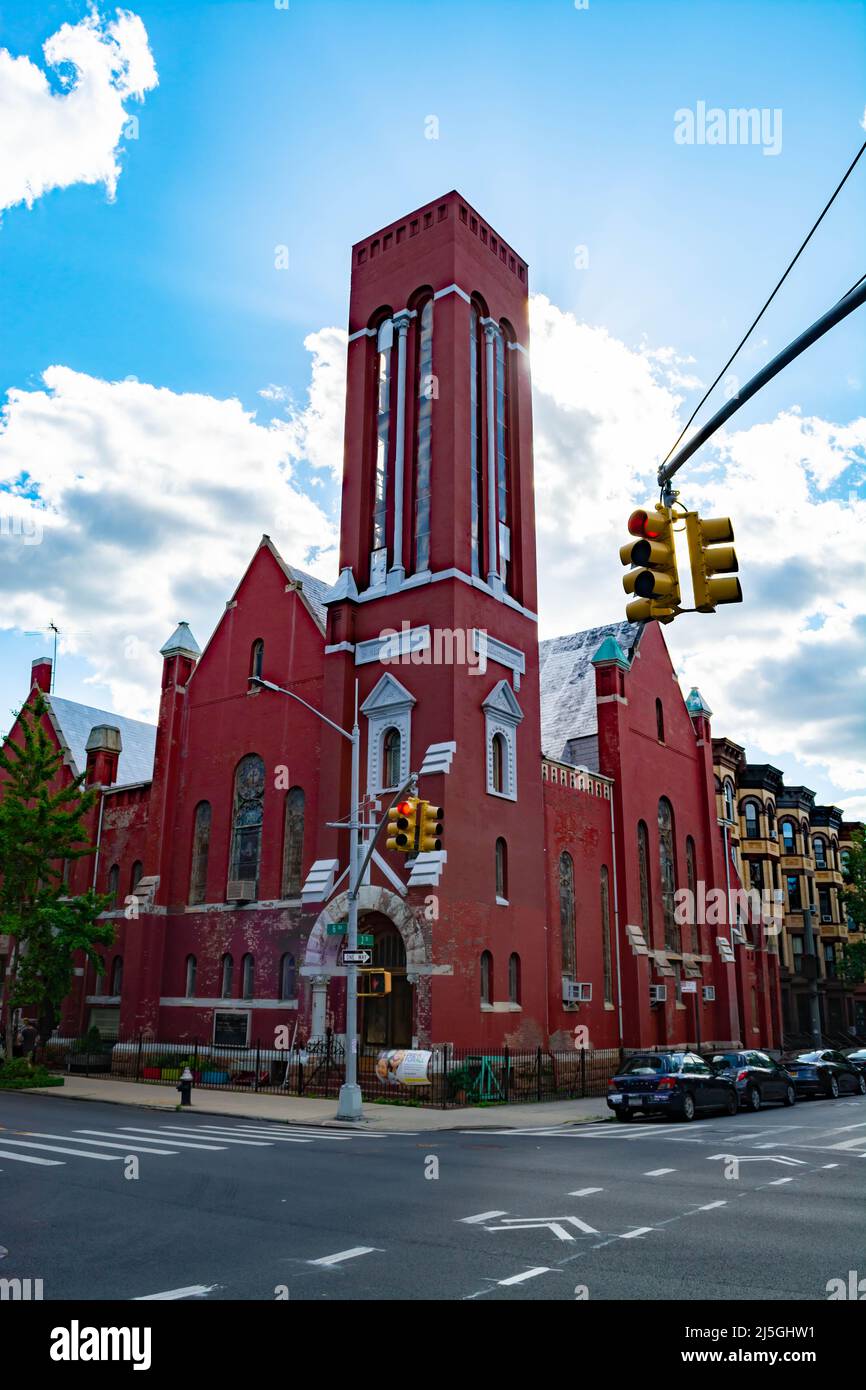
<point x="241" y="890"/>
<point x="826" y="917"/>
<point x="774" y="834"/>
<point x="575" y="992"/>
<point x="709" y="993"/>
<point x="658" y="994"/>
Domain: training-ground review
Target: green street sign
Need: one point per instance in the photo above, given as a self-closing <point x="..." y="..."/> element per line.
<point x="364" y="939"/>
<point x="337" y="928"/>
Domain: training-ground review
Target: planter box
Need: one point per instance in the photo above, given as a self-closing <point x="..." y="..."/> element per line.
<point x="151" y="1073"/>
<point x="214" y="1078"/>
<point x="171" y="1073"/>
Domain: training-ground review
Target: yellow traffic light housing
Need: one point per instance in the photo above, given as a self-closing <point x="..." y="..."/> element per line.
<point x="653" y="577"/>
<point x="709" y="556"/>
<point x="431" y="827"/>
<point x="403" y="826"/>
<point x="377" y="982"/>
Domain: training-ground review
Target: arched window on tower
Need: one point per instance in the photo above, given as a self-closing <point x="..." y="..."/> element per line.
<point x="135" y="875"/>
<point x="607" y="963"/>
<point x="392" y="756"/>
<point x="476" y="461"/>
<point x="486" y="977"/>
<point x="668" y="874"/>
<point x="503" y="451"/>
<point x="566" y="914"/>
<point x="200" y="852"/>
<point x="113" y="884"/>
<point x="501" y="870"/>
<point x="382" y="464"/>
<point x="424" y="436"/>
<point x="643" y="876"/>
<point x="500" y="753"/>
<point x="293" y="842"/>
<point x="660" y="721"/>
<point x="514" y="978"/>
<point x="257" y="657"/>
<point x="247" y="822"/>
<point x="692" y="877"/>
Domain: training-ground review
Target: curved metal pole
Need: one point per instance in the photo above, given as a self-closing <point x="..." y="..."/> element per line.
<point x="845" y="306"/>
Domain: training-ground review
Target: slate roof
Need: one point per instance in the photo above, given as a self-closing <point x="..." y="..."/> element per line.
<point x="568" y="708"/>
<point x="316" y="590"/>
<point x="73" y="723"/>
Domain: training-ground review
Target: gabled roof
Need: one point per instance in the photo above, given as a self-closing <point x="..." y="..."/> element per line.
<point x="568" y="707"/>
<point x="73" y="722"/>
<point x="313" y="591"/>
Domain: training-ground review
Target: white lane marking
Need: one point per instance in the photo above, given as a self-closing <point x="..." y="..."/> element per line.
<point x="556" y="1224"/>
<point x="588" y="1191"/>
<point x="191" y="1291"/>
<point x="167" y="1129"/>
<point x="777" y="1182"/>
<point x="639" y="1231"/>
<point x="829" y="1165"/>
<point x="843" y="1129"/>
<point x="53" y="1149"/>
<point x="101" y="1143"/>
<point x="521" y="1278"/>
<point x="711" y="1206"/>
<point x="146" y="1144"/>
<point x="31" y="1158"/>
<point x="659" y="1172"/>
<point x="760" y="1158"/>
<point x="214" y="1132"/>
<point x="482" y="1216"/>
<point x="346" y="1255"/>
<point x="848" y="1144"/>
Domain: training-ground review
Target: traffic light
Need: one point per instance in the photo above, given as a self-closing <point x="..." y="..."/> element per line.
<point x="431" y="827"/>
<point x="402" y="826"/>
<point x="709" y="556"/>
<point x="653" y="577"/>
<point x="377" y="983"/>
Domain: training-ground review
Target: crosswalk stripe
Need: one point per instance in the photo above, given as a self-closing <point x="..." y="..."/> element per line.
<point x="849" y="1144"/>
<point x="586" y="1191"/>
<point x="520" y="1278"/>
<point x="145" y="1143"/>
<point x="482" y="1216"/>
<point x="31" y="1158"/>
<point x="284" y="1132"/>
<point x="137" y="1129"/>
<point x="659" y="1172"/>
<point x="98" y="1143"/>
<point x="219" y="1133"/>
<point x="346" y="1255"/>
<point x="53" y="1149"/>
<point x="191" y="1291"/>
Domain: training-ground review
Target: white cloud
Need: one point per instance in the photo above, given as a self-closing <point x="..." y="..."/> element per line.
<point x="316" y="429"/>
<point x="152" y="503"/>
<point x="783" y="671"/>
<point x="51" y="139"/>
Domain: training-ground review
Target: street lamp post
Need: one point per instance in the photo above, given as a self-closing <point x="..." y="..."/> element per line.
<point x="349" y="1105"/>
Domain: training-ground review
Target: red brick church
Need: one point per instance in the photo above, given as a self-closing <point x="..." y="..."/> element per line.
<point x="577" y="781"/>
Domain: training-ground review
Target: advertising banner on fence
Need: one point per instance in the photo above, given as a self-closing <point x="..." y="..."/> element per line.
<point x="405" y="1067"/>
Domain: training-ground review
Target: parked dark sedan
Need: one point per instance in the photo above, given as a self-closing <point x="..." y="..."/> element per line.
<point x="857" y="1058"/>
<point x="757" y="1077"/>
<point x="825" y="1073"/>
<point x="672" y="1083"/>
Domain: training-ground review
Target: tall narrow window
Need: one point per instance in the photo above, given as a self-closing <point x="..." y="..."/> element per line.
<point x="191" y="972"/>
<point x="607" y="965"/>
<point x="248" y="973"/>
<point x="692" y="876"/>
<point x="486" y="978"/>
<point x="750" y="811"/>
<point x="135" y="876"/>
<point x="257" y="657"/>
<point x="200" y="851"/>
<point x="566" y="913"/>
<point x="113" y="884"/>
<point x="660" y="721"/>
<point x="392" y="753"/>
<point x="247" y="820"/>
<point x="501" y="869"/>
<point x="499" y="756"/>
<point x="293" y="842"/>
<point x="424" y="438"/>
<point x="514" y="978"/>
<point x="643" y="875"/>
<point x="788" y="836"/>
<point x="117" y="975"/>
<point x="227" y="970"/>
<point x="287" y="977"/>
<point x="729" y="801"/>
<point x="476" y="462"/>
<point x="820" y="848"/>
<point x="502" y="454"/>
<point x="668" y="874"/>
<point x="384" y="354"/>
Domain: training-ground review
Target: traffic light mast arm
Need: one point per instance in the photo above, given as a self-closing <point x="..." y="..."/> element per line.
<point x="845" y="306"/>
<point x="410" y="788"/>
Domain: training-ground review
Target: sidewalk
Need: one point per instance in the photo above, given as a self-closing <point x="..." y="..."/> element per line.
<point x="300" y="1110"/>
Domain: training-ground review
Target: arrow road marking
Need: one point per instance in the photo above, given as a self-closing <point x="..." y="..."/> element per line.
<point x="482" y="1216"/>
<point x="762" y="1158"/>
<point x="556" y="1224"/>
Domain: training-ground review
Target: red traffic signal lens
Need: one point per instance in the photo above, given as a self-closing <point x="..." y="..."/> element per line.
<point x="642" y="523"/>
<point x="636" y="523"/>
<point x="404" y="808"/>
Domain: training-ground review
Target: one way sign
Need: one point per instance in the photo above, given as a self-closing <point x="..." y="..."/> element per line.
<point x="357" y="957"/>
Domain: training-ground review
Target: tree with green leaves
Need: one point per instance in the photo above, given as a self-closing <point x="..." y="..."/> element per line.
<point x="43" y="826"/>
<point x="853" y="964"/>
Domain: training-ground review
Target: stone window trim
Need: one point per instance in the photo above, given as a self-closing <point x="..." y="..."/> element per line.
<point x="388" y="706"/>
<point x="502" y="716"/>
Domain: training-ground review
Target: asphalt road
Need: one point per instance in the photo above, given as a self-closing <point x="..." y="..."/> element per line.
<point x="118" y="1207"/>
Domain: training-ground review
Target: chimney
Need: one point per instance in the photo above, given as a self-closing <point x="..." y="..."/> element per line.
<point x="104" y="746"/>
<point x="40" y="674"/>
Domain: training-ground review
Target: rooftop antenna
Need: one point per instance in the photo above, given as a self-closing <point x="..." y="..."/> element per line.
<point x="52" y="627"/>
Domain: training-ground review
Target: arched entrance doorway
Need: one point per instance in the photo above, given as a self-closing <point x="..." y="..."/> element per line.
<point x="387" y="1021"/>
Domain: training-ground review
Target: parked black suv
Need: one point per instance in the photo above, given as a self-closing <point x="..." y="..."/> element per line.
<point x="672" y="1083"/>
<point x="757" y="1077"/>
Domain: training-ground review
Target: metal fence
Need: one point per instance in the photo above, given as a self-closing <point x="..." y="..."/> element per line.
<point x="455" y="1077"/>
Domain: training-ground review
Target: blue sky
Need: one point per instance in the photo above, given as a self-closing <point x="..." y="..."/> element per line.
<point x="306" y="128"/>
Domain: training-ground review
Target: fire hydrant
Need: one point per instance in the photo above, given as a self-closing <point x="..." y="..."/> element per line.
<point x="185" y="1087"/>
